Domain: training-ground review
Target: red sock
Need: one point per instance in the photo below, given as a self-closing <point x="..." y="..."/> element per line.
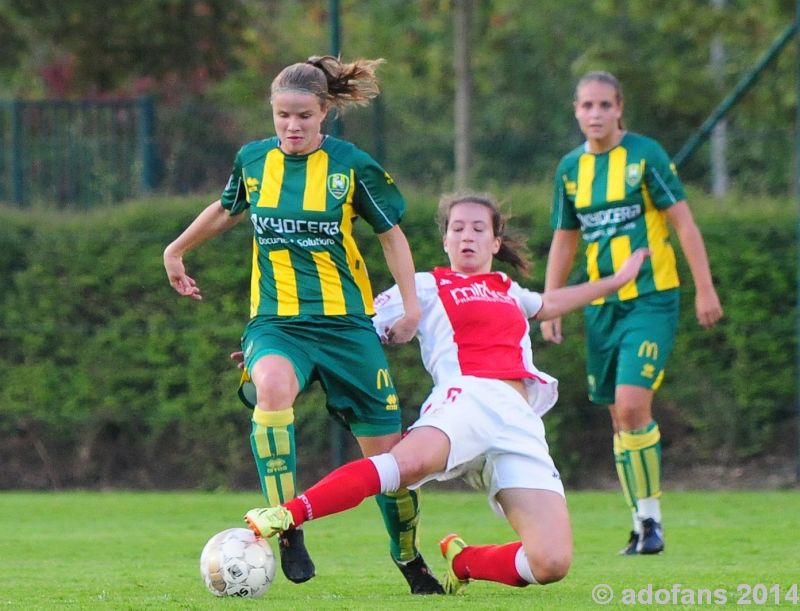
<point x="490" y="563"/>
<point x="342" y="489"/>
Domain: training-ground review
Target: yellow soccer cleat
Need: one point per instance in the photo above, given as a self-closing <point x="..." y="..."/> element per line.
<point x="269" y="521"/>
<point x="451" y="546"/>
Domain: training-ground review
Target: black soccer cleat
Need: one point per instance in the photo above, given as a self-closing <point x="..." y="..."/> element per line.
<point x="419" y="577"/>
<point x="295" y="560"/>
<point x="652" y="538"/>
<point x="630" y="546"/>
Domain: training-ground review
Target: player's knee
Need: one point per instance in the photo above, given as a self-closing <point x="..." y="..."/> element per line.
<point x="632" y="416"/>
<point x="274" y="392"/>
<point x="550" y="566"/>
<point x="413" y="468"/>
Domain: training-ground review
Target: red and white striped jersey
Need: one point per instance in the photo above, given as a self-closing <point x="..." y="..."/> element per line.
<point x="473" y="325"/>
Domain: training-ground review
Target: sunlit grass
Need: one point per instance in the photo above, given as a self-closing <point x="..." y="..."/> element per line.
<point x="114" y="550"/>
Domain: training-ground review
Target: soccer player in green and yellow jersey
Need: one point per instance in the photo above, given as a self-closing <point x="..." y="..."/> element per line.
<point x="310" y="294"/>
<point x="619" y="192"/>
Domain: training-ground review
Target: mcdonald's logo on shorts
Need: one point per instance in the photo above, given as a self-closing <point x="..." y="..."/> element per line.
<point x="383" y="379"/>
<point x="648" y="350"/>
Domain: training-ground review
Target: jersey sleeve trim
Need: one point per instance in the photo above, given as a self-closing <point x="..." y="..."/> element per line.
<point x="376" y="206"/>
<point x="559" y="211"/>
<point x="664" y="187"/>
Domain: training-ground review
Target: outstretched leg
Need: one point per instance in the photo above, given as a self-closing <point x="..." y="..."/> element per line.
<point x="347" y="486"/>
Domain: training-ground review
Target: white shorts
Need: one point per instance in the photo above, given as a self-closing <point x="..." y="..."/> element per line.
<point x="496" y="439"/>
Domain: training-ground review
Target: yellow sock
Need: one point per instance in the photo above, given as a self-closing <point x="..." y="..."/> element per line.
<point x="641" y="454"/>
<point x="273" y="446"/>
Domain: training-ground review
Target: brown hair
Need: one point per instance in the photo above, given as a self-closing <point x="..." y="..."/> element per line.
<point x="333" y="82"/>
<point x="601" y="76"/>
<point x="512" y="250"/>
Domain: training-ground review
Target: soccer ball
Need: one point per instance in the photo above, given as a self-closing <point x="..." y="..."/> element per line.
<point x="235" y="562"/>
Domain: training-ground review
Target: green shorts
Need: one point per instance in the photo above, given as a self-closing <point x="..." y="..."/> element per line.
<point x="629" y="342"/>
<point x="343" y="353"/>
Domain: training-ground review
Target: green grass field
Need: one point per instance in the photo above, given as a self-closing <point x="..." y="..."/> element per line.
<point x="112" y="550"/>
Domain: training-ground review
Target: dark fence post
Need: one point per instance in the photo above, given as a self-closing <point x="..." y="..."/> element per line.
<point x="17" y="173"/>
<point x="335" y="128"/>
<point x="379" y="130"/>
<point x="146" y="141"/>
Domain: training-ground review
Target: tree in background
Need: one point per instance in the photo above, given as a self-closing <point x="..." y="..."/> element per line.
<point x="660" y="50"/>
<point x="208" y="61"/>
<point x="121" y="47"/>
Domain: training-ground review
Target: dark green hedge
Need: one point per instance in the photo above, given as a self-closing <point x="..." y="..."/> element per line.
<point x="110" y="379"/>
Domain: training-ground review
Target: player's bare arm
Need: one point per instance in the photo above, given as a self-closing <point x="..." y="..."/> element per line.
<point x="212" y="221"/>
<point x="401" y="265"/>
<point x="707" y="304"/>
<point x="562" y="300"/>
<point x="559" y="262"/>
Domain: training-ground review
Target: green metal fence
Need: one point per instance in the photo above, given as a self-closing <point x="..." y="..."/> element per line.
<point x="63" y="153"/>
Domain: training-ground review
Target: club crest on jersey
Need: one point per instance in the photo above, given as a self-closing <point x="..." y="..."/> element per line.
<point x="338" y="185"/>
<point x="633" y="174"/>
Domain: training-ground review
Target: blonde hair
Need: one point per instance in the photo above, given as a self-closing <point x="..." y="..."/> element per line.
<point x="334" y="83"/>
<point x="512" y="250"/>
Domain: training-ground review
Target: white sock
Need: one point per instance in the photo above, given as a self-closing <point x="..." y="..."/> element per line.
<point x="637" y="523"/>
<point x="523" y="567"/>
<point x="649" y="508"/>
<point x="388" y="471"/>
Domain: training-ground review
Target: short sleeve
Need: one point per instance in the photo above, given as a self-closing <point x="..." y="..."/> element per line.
<point x="562" y="213"/>
<point x="530" y="301"/>
<point x="234" y="196"/>
<point x="662" y="179"/>
<point x="389" y="304"/>
<point x="388" y="310"/>
<point x="377" y="199"/>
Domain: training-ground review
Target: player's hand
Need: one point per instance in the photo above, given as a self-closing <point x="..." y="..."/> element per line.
<point x="551" y="330"/>
<point x="238" y="358"/>
<point x="402" y="331"/>
<point x="707" y="307"/>
<point x="178" y="279"/>
<point x="630" y="268"/>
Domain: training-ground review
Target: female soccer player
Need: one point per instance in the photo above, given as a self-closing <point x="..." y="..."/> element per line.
<point x="310" y="293"/>
<point x="618" y="191"/>
<point x="483" y="418"/>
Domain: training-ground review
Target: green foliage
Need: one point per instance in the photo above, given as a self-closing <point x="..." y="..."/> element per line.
<point x="661" y="52"/>
<point x="142" y="551"/>
<point x="104" y="46"/>
<point x="109" y="378"/>
<point x="210" y="64"/>
<point x="525" y="64"/>
<point x="95" y="342"/>
<point x="746" y="409"/>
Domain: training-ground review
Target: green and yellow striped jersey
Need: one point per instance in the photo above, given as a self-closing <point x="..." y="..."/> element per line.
<point x="617" y="199"/>
<point x="302" y="207"/>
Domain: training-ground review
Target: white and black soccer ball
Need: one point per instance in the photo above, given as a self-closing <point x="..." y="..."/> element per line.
<point x="235" y="562"/>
